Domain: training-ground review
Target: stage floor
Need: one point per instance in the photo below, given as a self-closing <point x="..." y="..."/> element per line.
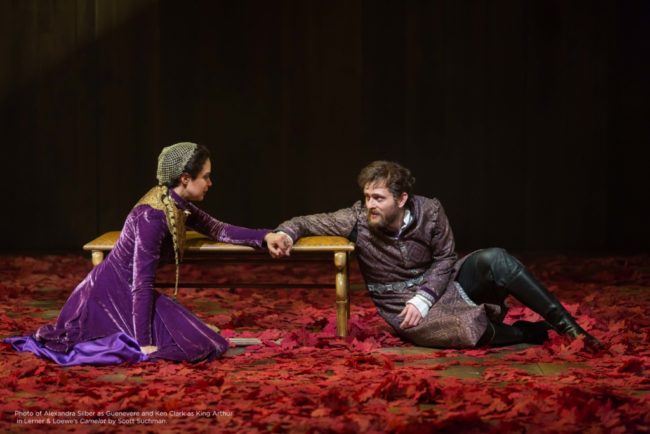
<point x="304" y="379"/>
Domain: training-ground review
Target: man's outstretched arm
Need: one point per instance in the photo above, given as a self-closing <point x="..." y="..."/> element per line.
<point x="339" y="223"/>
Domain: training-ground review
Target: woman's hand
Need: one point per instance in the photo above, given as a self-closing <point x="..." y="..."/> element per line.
<point x="148" y="349"/>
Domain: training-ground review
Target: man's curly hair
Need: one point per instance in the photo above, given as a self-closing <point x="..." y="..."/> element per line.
<point x="394" y="176"/>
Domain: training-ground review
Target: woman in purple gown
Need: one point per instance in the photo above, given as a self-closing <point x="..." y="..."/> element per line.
<point x="114" y="315"/>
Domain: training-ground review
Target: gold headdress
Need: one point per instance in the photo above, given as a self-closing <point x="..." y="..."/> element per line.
<point x="172" y="161"/>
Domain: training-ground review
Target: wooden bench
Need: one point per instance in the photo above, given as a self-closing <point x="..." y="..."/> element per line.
<point x="200" y="248"/>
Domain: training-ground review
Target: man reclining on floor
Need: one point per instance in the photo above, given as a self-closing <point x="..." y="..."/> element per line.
<point x="406" y="253"/>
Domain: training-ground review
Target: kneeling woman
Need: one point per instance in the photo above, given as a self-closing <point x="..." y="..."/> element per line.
<point x="115" y="315"/>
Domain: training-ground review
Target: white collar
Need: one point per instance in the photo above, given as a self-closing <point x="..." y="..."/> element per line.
<point x="406" y="221"/>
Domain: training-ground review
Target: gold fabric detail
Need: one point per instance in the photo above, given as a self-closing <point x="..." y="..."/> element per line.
<point x="158" y="198"/>
<point x="153" y="198"/>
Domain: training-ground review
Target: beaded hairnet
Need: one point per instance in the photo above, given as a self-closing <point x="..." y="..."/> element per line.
<point x="172" y="160"/>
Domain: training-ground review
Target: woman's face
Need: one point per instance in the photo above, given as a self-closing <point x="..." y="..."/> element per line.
<point x="196" y="189"/>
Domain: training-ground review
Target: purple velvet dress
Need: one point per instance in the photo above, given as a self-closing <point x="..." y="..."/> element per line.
<point x="115" y="310"/>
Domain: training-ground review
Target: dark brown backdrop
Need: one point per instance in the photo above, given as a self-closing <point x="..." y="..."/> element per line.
<point x="528" y="119"/>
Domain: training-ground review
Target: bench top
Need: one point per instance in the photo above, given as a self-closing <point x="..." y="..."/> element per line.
<point x="196" y="242"/>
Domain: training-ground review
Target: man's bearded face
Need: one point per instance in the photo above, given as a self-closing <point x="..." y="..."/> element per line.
<point x="383" y="210"/>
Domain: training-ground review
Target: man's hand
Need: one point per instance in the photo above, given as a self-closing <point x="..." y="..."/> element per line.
<point x="148" y="349"/>
<point x="412" y="316"/>
<point x="279" y="244"/>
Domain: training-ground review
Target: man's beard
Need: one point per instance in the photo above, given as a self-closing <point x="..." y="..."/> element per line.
<point x="385" y="220"/>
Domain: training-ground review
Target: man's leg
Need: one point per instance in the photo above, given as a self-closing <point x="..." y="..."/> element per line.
<point x="489" y="275"/>
<point x="479" y="284"/>
<point x="499" y="334"/>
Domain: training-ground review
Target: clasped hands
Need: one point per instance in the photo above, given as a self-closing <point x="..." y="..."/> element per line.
<point x="279" y="244"/>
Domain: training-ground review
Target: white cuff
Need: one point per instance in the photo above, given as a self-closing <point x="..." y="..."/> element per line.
<point x="421" y="303"/>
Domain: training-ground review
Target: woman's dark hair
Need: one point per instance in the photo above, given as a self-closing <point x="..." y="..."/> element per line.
<point x="193" y="166"/>
<point x="397" y="178"/>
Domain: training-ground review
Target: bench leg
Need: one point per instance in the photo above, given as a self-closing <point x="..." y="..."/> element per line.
<point x="347" y="285"/>
<point x="97" y="256"/>
<point x="342" y="298"/>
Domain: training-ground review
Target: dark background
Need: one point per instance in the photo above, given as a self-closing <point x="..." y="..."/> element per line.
<point x="528" y="119"/>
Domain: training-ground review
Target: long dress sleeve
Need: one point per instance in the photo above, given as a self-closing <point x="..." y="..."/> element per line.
<point x="444" y="257"/>
<point x="339" y="223"/>
<point x="149" y="230"/>
<point x="204" y="223"/>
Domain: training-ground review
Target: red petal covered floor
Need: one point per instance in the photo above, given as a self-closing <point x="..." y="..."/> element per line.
<point x="314" y="382"/>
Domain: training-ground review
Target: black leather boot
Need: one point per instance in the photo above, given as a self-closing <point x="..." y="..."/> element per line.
<point x="534" y="332"/>
<point x="499" y="335"/>
<point x="525" y="288"/>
